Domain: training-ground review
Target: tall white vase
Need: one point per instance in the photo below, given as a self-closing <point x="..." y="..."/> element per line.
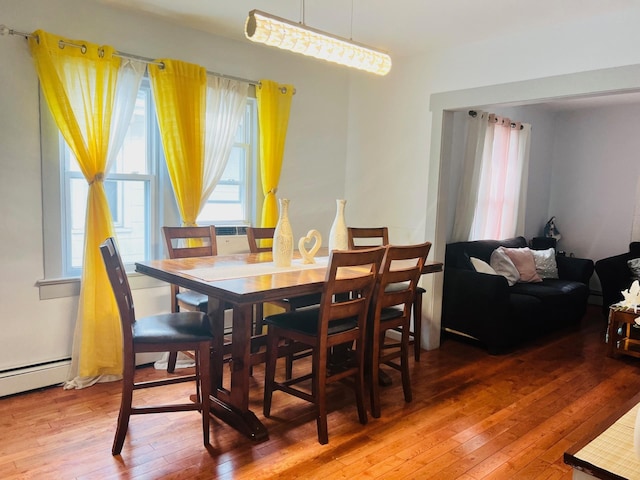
<point x="283" y="237"/>
<point x="338" y="235"/>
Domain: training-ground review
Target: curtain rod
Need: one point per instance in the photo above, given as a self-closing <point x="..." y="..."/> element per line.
<point x="4" y="30"/>
<point x="474" y="114"/>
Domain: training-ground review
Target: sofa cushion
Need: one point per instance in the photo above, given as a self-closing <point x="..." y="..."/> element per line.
<point x="522" y="258"/>
<point x="503" y="265"/>
<point x="554" y="292"/>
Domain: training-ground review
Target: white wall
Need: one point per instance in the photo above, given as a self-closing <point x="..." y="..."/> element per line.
<point x="377" y="135"/>
<point x="35" y="331"/>
<point x="393" y="170"/>
<point x="595" y="174"/>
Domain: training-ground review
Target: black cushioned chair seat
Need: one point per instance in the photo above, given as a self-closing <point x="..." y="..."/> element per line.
<point x="171" y="328"/>
<point x="390" y="313"/>
<point x="304" y="300"/>
<point x="305" y="320"/>
<point x="195" y="299"/>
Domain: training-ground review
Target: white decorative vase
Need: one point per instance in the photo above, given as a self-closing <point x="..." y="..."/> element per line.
<point x="338" y="235"/>
<point x="283" y="237"/>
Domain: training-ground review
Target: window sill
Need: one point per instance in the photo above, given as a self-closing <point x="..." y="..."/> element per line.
<point x="70" y="287"/>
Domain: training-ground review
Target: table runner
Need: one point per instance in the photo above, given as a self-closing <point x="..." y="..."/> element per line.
<point x="228" y="272"/>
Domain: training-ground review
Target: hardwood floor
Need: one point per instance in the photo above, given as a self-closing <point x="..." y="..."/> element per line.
<point x="473" y="416"/>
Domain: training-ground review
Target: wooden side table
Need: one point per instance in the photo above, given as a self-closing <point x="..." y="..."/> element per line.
<point x="621" y="325"/>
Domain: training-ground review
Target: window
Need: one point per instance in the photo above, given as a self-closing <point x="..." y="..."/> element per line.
<point x="138" y="190"/>
<point x="230" y="202"/>
<point x="130" y="188"/>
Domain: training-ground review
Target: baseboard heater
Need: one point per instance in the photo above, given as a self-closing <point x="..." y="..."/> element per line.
<point x="33" y="377"/>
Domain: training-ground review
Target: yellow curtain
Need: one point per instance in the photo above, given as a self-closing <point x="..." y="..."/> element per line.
<point x="79" y="86"/>
<point x="179" y="91"/>
<point x="274" y="104"/>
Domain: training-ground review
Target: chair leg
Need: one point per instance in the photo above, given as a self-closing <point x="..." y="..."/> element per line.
<point x="171" y="363"/>
<point x="270" y="370"/>
<point x="125" y="407"/>
<point x="319" y="392"/>
<point x="417" y="326"/>
<point x="203" y="364"/>
<point x="359" y="385"/>
<point x="288" y="366"/>
<point x="404" y="364"/>
<point x="375" y="374"/>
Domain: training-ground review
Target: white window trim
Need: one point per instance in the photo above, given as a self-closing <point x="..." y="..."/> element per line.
<point x="53" y="285"/>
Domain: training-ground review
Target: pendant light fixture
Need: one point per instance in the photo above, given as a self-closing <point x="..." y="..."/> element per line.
<point x="278" y="32"/>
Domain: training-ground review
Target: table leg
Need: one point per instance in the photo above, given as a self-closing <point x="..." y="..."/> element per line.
<point x="611" y="334"/>
<point x="232" y="406"/>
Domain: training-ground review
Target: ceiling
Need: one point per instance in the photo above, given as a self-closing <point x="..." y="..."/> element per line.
<point x="400" y="27"/>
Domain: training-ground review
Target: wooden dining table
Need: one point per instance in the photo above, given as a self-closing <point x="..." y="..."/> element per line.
<point x="240" y="281"/>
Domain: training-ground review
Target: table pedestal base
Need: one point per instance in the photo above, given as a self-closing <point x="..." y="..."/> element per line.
<point x="245" y="422"/>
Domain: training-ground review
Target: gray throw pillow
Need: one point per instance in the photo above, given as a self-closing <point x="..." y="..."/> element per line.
<point x="546" y="263"/>
<point x="634" y="266"/>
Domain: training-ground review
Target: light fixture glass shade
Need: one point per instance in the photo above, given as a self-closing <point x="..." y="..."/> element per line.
<point x="264" y="28"/>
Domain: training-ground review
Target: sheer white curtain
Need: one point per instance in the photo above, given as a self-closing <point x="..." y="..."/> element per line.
<point x="129" y="77"/>
<point x="472" y="166"/>
<point x="494" y="187"/>
<point x="226" y="100"/>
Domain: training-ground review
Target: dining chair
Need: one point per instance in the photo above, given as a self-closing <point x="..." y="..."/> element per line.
<point x="254" y="236"/>
<point x="391" y="305"/>
<point x="185" y="242"/>
<point x="341" y="318"/>
<point x="158" y="333"/>
<point x="366" y="237"/>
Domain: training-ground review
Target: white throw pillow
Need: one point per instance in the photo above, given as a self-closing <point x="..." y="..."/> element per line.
<point x="503" y="265"/>
<point x="482" y="266"/>
<point x="546" y="263"/>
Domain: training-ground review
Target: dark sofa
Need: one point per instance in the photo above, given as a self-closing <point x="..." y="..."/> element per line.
<point x="486" y="308"/>
<point x="615" y="275"/>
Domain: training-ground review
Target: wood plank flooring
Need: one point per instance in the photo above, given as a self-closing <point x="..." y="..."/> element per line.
<point x="474" y="416"/>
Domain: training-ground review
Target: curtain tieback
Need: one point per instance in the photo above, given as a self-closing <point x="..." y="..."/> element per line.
<point x="99" y="177"/>
<point x="273" y="191"/>
<point x="189" y="224"/>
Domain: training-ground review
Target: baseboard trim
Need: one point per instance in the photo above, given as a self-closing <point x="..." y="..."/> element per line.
<point x="31" y="378"/>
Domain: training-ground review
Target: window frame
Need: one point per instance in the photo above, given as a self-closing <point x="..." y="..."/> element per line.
<point x="150" y="180"/>
<point x="250" y="192"/>
<point x="55" y="282"/>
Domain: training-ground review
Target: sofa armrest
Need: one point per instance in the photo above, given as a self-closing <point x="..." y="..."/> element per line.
<point x="474" y="303"/>
<point x="576" y="269"/>
<point x="614" y="275"/>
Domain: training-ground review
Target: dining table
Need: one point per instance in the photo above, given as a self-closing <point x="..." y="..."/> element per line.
<point x="239" y="282"/>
